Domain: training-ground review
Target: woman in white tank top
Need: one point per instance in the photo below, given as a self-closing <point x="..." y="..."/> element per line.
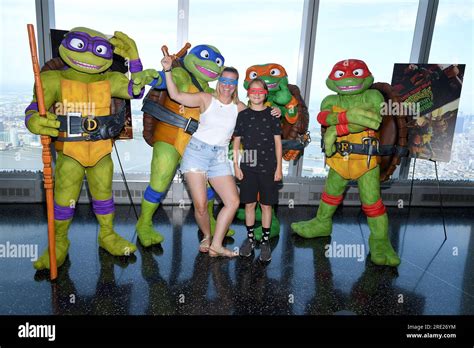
<point x="217" y="123"/>
<point x="205" y="157"/>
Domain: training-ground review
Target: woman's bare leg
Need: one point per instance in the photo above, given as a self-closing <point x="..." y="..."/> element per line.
<point x="227" y="191"/>
<point x="197" y="183"/>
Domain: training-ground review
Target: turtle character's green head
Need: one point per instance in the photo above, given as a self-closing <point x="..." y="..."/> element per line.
<point x="204" y="62"/>
<point x="271" y="73"/>
<point x="86" y="50"/>
<point x="350" y="76"/>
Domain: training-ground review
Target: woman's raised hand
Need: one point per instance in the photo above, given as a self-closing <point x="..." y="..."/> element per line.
<point x="166" y="62"/>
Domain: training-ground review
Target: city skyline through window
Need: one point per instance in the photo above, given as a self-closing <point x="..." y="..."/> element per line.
<point x="380" y="33"/>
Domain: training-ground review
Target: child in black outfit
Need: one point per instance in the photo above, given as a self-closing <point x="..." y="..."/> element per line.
<point x="261" y="164"/>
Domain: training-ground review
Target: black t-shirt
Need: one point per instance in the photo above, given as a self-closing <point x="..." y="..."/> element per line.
<point x="257" y="130"/>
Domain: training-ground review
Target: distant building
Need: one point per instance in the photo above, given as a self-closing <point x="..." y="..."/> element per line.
<point x="27" y="139"/>
<point x="5" y="137"/>
<point x="468" y="122"/>
<point x="14" y="140"/>
<point x="36" y="139"/>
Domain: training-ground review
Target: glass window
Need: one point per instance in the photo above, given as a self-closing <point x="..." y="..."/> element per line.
<point x="452" y="43"/>
<point x="379" y="33"/>
<point x="151" y="24"/>
<point x="249" y="32"/>
<point x="19" y="149"/>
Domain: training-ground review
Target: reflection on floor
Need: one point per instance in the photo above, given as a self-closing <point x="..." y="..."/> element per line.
<point x="433" y="278"/>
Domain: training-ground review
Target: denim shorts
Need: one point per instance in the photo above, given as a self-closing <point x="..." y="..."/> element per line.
<point x="200" y="157"/>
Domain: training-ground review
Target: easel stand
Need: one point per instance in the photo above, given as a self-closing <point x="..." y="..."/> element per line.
<point x="441" y="210"/>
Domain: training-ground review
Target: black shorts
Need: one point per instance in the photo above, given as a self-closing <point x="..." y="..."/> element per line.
<point x="254" y="183"/>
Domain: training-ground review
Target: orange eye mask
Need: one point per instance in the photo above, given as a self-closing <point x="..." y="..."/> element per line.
<point x="257" y="91"/>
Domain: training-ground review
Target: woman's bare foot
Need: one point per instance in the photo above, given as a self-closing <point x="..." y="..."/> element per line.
<point x="205" y="244"/>
<point x="221" y="252"/>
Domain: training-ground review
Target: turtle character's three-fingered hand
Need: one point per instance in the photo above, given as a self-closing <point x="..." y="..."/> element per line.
<point x="364" y="117"/>
<point x="143" y="78"/>
<point x="48" y="125"/>
<point x="359" y="119"/>
<point x="124" y="46"/>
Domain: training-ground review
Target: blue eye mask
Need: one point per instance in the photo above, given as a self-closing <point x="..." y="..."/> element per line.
<point x="228" y="81"/>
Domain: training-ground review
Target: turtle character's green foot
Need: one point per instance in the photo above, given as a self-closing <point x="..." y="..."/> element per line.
<point x="382" y="253"/>
<point x="212" y="220"/>
<point x="147" y="235"/>
<point x="115" y="244"/>
<point x="62" y="246"/>
<point x="312" y="228"/>
<point x="320" y="226"/>
<point x="381" y="250"/>
<point x="62" y="249"/>
<point x="110" y="240"/>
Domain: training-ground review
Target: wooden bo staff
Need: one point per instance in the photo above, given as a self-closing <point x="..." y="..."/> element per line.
<point x="46" y="156"/>
<point x="181" y="52"/>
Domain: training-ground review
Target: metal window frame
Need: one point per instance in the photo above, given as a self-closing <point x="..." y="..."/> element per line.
<point x="45" y="20"/>
<point x="183" y="23"/>
<point x="420" y="52"/>
<point x="305" y="64"/>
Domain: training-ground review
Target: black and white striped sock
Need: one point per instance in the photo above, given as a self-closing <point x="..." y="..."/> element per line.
<point x="250" y="234"/>
<point x="265" y="235"/>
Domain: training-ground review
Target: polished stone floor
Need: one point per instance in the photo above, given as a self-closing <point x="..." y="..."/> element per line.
<point x="433" y="278"/>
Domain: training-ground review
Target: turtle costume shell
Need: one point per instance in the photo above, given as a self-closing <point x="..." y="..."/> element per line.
<point x="393" y="131"/>
<point x="116" y="104"/>
<point x="298" y="131"/>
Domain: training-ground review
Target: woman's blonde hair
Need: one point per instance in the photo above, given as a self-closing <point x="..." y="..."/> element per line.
<point x="235" y="93"/>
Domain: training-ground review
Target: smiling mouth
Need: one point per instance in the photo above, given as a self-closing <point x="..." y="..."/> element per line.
<point x="208" y="72"/>
<point x="271" y="85"/>
<point x="85" y="65"/>
<point x="350" y="88"/>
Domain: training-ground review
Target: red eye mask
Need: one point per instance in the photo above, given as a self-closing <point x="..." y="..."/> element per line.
<point x="353" y="68"/>
<point x="257" y="91"/>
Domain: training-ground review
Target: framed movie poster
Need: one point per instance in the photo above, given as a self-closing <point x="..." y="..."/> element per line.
<point x="433" y="91"/>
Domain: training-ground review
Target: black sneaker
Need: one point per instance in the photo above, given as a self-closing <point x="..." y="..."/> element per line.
<point x="265" y="252"/>
<point x="247" y="248"/>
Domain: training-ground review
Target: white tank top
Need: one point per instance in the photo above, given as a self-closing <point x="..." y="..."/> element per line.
<point x="217" y="123"/>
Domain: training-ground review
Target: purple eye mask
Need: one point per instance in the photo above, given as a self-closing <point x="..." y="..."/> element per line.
<point x="78" y="41"/>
